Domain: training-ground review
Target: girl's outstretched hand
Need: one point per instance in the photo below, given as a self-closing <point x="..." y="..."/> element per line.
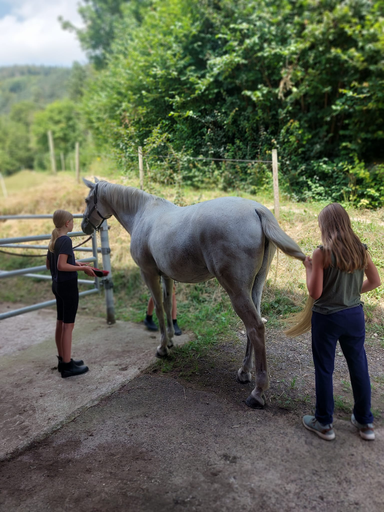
<point x="88" y="271"/>
<point x="308" y="262"/>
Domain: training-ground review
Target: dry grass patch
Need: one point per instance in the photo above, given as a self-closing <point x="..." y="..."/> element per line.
<point x="32" y="193"/>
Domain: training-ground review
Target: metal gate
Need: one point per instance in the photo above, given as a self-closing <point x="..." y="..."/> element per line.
<point x="106" y="282"/>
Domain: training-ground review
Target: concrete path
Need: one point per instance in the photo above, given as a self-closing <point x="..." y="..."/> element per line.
<point x="34" y="399"/>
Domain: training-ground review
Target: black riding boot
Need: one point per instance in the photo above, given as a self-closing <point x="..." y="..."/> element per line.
<point x="78" y="362"/>
<point x="150" y="324"/>
<point x="176" y="328"/>
<point x="70" y="369"/>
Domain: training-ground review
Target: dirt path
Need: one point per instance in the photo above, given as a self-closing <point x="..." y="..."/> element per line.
<point x="156" y="445"/>
<point x="166" y="442"/>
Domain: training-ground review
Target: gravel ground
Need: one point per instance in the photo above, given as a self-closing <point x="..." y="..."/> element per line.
<point x="186" y="441"/>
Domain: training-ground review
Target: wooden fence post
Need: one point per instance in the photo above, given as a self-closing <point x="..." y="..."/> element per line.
<point x="5" y="193"/>
<point x="275" y="172"/>
<point x="52" y="151"/>
<point x="77" y="161"/>
<point x="141" y="168"/>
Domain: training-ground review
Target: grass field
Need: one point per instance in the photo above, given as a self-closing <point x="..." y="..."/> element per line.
<point x="202" y="308"/>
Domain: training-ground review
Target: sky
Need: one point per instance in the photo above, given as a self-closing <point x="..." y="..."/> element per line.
<point x="30" y="33"/>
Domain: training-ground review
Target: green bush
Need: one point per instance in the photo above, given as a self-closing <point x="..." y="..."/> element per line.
<point x="225" y="79"/>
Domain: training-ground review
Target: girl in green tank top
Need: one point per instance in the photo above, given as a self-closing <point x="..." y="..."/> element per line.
<point x="341" y="289"/>
<point x="335" y="280"/>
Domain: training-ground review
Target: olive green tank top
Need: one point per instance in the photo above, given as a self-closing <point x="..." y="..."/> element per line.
<point x="341" y="290"/>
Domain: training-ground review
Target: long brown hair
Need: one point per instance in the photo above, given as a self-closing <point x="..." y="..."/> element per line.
<point x="60" y="217"/>
<point x="350" y="255"/>
<point x="339" y="238"/>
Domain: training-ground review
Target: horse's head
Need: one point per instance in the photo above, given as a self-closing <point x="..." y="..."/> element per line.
<point x="96" y="212"/>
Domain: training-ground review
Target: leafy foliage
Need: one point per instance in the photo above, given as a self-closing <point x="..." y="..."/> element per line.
<point x="100" y="18"/>
<point x="226" y="79"/>
<point x="25" y="122"/>
<point x="38" y="84"/>
<point x="61" y="117"/>
<point x="78" y="80"/>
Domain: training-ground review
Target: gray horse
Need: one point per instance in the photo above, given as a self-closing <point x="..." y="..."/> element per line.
<point x="230" y="238"/>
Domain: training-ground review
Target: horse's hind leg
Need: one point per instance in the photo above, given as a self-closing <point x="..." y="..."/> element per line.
<point x="167" y="294"/>
<point x="246" y="310"/>
<point x="244" y="373"/>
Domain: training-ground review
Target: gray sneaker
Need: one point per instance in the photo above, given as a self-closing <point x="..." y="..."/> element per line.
<point x="324" y="431"/>
<point x="366" y="432"/>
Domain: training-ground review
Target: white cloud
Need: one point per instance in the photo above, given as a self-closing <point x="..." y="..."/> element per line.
<point x="30" y="33"/>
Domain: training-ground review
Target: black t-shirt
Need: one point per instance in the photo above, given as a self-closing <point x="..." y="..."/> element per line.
<point x="63" y="245"/>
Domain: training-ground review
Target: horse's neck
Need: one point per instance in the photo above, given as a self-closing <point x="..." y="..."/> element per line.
<point x="127" y="203"/>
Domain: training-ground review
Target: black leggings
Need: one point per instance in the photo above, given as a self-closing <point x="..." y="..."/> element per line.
<point x="67" y="300"/>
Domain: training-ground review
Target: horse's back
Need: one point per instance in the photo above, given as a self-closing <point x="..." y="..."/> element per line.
<point x="233" y="215"/>
<point x="196" y="242"/>
<point x="227" y="219"/>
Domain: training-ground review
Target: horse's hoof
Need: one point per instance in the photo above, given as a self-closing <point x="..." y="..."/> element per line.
<point x="256" y="402"/>
<point x="162" y="352"/>
<point x="242" y="377"/>
<point x="170" y="344"/>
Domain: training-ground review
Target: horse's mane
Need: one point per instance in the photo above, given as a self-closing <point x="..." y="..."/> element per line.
<point x="125" y="198"/>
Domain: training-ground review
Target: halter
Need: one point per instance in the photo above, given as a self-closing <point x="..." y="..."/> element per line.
<point x="94" y="207"/>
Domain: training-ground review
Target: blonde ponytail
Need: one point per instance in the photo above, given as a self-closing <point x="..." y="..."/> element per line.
<point x="60" y="217"/>
<point x="54" y="237"/>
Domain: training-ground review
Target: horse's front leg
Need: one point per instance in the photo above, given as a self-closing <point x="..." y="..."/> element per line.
<point x="153" y="283"/>
<point x="167" y="295"/>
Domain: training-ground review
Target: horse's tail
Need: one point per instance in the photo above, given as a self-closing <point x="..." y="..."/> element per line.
<point x="301" y="321"/>
<point x="276" y="235"/>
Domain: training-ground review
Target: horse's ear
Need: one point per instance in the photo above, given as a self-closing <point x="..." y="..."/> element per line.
<point x="96" y="179"/>
<point x="89" y="183"/>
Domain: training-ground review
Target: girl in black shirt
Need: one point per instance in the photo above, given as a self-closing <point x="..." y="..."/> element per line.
<point x="63" y="266"/>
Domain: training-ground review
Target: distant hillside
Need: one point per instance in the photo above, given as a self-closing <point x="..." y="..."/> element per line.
<point x="40" y="84"/>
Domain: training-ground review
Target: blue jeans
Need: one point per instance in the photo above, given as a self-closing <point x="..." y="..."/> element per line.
<point x="347" y="326"/>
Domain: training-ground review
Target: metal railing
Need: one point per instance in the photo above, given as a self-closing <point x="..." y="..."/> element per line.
<point x="106" y="282"/>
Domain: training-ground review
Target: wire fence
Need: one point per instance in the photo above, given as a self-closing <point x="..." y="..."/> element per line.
<point x="173" y="170"/>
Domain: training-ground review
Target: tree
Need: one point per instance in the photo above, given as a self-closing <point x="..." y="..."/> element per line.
<point x="23" y="112"/>
<point x="77" y="81"/>
<point x="63" y="119"/>
<point x="100" y="18"/>
<point x="234" y="79"/>
<point x="15" y="149"/>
